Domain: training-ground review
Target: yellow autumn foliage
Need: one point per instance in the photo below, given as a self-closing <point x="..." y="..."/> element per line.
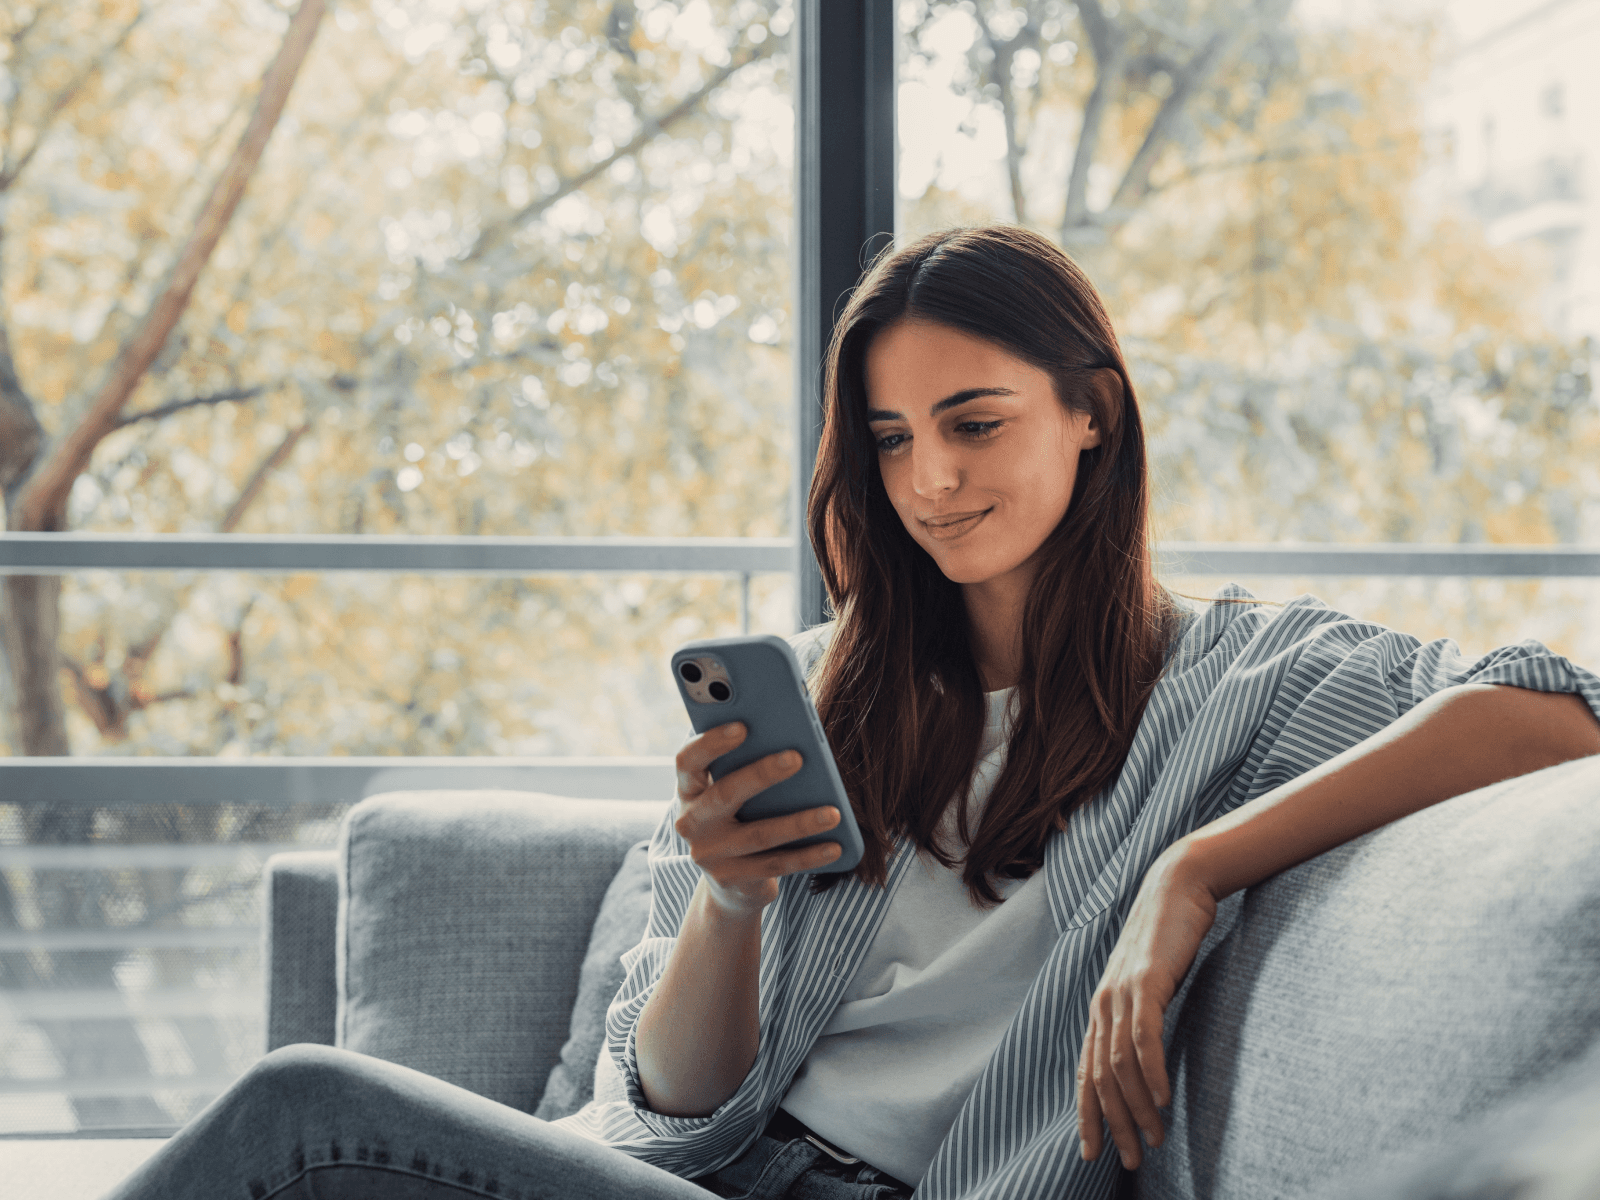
<point x="451" y="336"/>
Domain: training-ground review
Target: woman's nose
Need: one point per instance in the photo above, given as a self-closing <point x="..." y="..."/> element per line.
<point x="933" y="470"/>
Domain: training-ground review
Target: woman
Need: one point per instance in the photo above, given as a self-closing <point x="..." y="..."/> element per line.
<point x="1058" y="773"/>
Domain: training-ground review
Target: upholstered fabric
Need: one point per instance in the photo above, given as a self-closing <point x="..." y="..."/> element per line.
<point x="617" y="929"/>
<point x="300" y="902"/>
<point x="1372" y="1001"/>
<point x="1541" y="1144"/>
<point x="463" y="921"/>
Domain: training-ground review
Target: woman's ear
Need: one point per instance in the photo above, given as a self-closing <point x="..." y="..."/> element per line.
<point x="1104" y="388"/>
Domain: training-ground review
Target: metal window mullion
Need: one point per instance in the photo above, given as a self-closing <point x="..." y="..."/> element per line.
<point x="844" y="209"/>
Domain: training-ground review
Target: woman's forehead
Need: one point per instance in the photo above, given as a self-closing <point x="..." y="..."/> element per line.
<point x="918" y="364"/>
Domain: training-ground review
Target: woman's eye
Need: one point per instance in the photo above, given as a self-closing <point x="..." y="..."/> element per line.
<point x="979" y="429"/>
<point x="891" y="441"/>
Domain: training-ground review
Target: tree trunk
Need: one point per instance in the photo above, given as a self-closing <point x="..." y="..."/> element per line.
<point x="37" y="478"/>
<point x="32" y="619"/>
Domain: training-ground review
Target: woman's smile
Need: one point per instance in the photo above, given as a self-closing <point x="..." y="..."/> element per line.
<point x="949" y="526"/>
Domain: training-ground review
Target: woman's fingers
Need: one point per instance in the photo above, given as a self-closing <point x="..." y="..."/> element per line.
<point x="745" y="848"/>
<point x="715" y="807"/>
<point x="729" y="793"/>
<point x="744" y="857"/>
<point x="699" y="752"/>
<point x="1147" y="1023"/>
<point x="1112" y="1103"/>
<point x="1113" y="1086"/>
<point x="1127" y="1068"/>
<point x="748" y="868"/>
<point x="1089" y="1114"/>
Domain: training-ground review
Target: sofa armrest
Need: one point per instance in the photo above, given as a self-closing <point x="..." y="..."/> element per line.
<point x="300" y="905"/>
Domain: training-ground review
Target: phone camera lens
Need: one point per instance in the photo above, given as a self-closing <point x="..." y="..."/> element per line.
<point x="719" y="690"/>
<point x="690" y="672"/>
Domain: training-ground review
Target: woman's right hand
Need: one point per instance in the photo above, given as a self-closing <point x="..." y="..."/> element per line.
<point x="737" y="858"/>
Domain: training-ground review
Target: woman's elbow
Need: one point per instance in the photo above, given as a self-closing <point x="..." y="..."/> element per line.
<point x="1549" y="728"/>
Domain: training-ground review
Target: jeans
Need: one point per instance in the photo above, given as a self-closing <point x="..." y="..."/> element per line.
<point x="315" y="1123"/>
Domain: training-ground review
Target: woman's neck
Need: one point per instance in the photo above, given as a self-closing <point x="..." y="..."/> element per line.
<point x="994" y="616"/>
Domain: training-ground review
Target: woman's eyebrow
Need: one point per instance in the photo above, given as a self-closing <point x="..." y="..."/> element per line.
<point x="949" y="402"/>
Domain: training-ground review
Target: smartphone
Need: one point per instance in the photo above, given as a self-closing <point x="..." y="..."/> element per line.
<point x="757" y="680"/>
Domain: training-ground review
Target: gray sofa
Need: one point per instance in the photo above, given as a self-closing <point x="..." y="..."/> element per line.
<point x="1414" y="1014"/>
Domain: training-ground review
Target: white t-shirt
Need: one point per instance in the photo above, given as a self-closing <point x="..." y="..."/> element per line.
<point x="928" y="1006"/>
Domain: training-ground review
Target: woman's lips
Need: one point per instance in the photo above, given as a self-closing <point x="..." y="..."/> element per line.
<point x="944" y="529"/>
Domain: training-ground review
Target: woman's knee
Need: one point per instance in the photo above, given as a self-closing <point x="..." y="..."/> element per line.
<point x="302" y="1076"/>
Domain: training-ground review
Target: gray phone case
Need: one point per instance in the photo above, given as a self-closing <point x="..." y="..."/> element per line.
<point x="768" y="693"/>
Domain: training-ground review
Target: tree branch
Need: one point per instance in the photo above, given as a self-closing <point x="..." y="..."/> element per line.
<point x="1244" y="160"/>
<point x="494" y="234"/>
<point x="11" y="168"/>
<point x="166" y="410"/>
<point x="120" y="315"/>
<point x="258" y="480"/>
<point x="236" y="644"/>
<point x="1185" y="83"/>
<point x="376" y="103"/>
<point x="1105" y="36"/>
<point x="18" y="36"/>
<point x="1109" y="44"/>
<point x="44" y="497"/>
<point x="22" y="437"/>
<point x="107" y="698"/>
<point x="1004" y="53"/>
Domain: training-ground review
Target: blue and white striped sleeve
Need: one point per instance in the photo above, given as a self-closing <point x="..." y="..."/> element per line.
<point x="673" y="879"/>
<point x="1338" y="681"/>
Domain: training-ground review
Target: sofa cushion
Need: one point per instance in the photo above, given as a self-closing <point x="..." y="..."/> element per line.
<point x="1544" y="1142"/>
<point x="617" y="929"/>
<point x="463" y="921"/>
<point x="1367" y="1002"/>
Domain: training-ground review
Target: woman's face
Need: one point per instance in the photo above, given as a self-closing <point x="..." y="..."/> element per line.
<point x="977" y="454"/>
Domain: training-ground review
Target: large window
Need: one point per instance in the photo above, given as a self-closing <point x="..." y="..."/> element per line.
<point x="506" y="268"/>
<point x="1348" y="321"/>
<point x="564" y="270"/>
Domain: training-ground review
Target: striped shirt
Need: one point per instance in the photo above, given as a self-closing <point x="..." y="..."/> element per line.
<point x="1251" y="698"/>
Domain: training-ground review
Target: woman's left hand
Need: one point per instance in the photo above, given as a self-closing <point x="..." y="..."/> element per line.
<point x="1121" y="1072"/>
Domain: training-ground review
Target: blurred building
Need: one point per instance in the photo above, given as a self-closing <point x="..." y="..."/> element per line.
<point x="1517" y="116"/>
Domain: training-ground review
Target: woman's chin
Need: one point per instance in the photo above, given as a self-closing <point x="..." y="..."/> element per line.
<point x="970" y="567"/>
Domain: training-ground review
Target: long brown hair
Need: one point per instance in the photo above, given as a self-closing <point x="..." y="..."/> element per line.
<point x="898" y="690"/>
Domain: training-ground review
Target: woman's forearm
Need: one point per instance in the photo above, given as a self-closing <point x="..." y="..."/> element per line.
<point x="1454" y="742"/>
<point x="699" y="1031"/>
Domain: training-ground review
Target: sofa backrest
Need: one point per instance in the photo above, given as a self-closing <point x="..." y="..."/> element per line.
<point x="463" y="922"/>
<point x="1365" y="1003"/>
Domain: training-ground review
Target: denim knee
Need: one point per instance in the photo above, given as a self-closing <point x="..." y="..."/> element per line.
<point x="300" y="1078"/>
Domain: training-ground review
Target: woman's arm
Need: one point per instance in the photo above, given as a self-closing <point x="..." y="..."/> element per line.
<point x="1454" y="742"/>
<point x="698" y="1033"/>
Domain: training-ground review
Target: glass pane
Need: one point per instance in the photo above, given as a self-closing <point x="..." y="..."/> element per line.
<point x="1356" y="308"/>
<point x="507" y="267"/>
<point x="133" y="987"/>
<point x="1479" y="614"/>
<point x="369" y="663"/>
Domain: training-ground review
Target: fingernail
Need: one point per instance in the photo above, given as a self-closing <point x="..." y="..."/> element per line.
<point x="1083" y="1149"/>
<point x="731" y="728"/>
<point x="827" y="816"/>
<point x="1127" y="1162"/>
<point x="791" y="758"/>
